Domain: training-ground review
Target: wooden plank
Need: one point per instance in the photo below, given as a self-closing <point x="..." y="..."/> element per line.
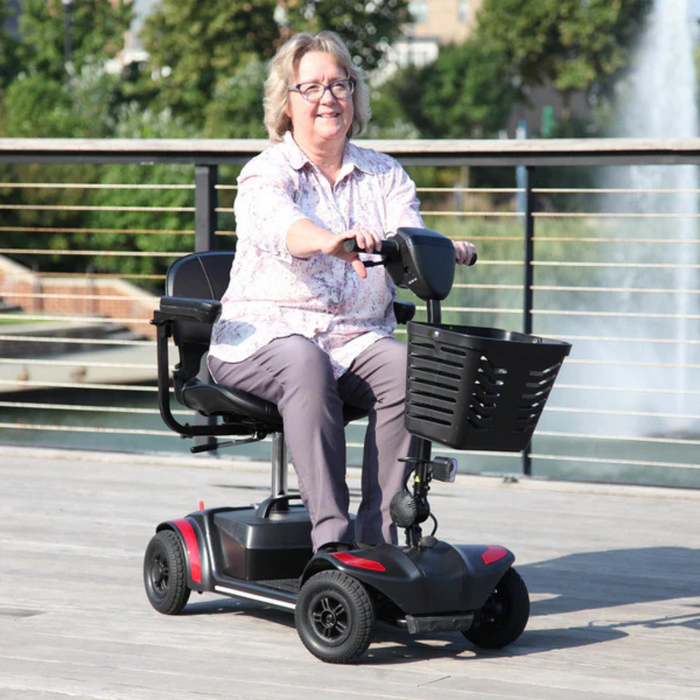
<point x="613" y="574"/>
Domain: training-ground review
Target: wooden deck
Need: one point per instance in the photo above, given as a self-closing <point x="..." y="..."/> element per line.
<point x="614" y="576"/>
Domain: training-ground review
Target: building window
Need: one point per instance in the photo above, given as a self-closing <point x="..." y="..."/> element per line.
<point x="419" y="11"/>
<point x="463" y="11"/>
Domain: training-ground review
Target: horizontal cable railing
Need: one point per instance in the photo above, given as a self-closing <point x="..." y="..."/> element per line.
<point x="82" y="265"/>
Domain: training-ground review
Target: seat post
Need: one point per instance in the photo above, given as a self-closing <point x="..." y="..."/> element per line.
<point x="279" y="465"/>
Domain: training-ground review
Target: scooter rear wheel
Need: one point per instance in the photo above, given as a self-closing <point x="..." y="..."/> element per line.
<point x="335" y="617"/>
<point x="502" y="620"/>
<point x="165" y="573"/>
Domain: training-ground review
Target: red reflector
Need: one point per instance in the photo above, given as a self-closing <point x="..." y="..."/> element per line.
<point x="192" y="546"/>
<point x="493" y="553"/>
<point x="358" y="562"/>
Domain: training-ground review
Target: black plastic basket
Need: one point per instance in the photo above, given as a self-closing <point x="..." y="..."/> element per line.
<point x="478" y="388"/>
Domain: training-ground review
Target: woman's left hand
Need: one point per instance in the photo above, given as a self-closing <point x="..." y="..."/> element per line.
<point x="464" y="251"/>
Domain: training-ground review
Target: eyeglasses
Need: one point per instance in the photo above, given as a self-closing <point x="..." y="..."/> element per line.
<point x="314" y="92"/>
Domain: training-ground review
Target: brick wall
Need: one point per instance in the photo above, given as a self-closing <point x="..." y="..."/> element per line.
<point x="77" y="297"/>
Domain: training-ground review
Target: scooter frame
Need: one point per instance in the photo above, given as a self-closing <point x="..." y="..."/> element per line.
<point x="263" y="554"/>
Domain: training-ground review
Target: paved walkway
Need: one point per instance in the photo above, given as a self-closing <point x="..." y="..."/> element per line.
<point x="614" y="576"/>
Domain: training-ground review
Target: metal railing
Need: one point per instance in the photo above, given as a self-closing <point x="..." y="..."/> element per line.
<point x="586" y="264"/>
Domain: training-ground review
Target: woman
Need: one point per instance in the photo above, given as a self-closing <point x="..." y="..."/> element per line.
<point x="304" y="324"/>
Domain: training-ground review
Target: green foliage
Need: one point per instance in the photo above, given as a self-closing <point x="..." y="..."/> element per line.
<point x="207" y="59"/>
<point x="391" y="117"/>
<point x="366" y="27"/>
<point x="570" y="44"/>
<point x="96" y="34"/>
<point x="36" y="108"/>
<point x="158" y="232"/>
<point x="40" y="107"/>
<point x="500" y="244"/>
<point x="236" y="108"/>
<point x="465" y="93"/>
<point x="195" y="48"/>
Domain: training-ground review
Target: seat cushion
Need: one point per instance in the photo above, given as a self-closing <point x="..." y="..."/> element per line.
<point x="216" y="400"/>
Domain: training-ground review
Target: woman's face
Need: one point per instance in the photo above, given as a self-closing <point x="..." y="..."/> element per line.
<point x="318" y="125"/>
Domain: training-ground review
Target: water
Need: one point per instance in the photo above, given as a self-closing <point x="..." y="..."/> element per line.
<point x="658" y="101"/>
<point x="123" y="435"/>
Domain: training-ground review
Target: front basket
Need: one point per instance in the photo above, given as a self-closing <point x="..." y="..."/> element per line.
<point x="478" y="388"/>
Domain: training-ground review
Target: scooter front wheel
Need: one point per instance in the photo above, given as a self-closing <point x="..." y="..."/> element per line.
<point x="165" y="573"/>
<point x="504" y="616"/>
<point x="335" y="617"/>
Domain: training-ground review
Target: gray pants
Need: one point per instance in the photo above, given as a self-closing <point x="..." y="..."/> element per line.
<point x="296" y="375"/>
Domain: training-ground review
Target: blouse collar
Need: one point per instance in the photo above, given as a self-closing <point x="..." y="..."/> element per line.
<point x="353" y="157"/>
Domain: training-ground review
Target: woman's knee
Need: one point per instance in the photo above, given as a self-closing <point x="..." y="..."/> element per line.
<point x="306" y="368"/>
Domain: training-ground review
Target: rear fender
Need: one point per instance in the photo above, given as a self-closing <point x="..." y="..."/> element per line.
<point x="189" y="530"/>
<point x="486" y="565"/>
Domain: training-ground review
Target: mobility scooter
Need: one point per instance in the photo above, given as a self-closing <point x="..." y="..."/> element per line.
<point x="467" y="387"/>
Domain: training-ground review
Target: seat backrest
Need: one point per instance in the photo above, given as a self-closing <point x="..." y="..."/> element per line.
<point x="196" y="276"/>
<point x="200" y="275"/>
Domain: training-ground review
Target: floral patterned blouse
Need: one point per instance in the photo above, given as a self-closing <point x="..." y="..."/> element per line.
<point x="273" y="294"/>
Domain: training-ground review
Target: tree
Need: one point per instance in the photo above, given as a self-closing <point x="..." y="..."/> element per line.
<point x="236" y="108"/>
<point x="204" y="56"/>
<point x="572" y="45"/>
<point x="39" y="107"/>
<point x="97" y="30"/>
<point x="196" y="47"/>
<point x="368" y="28"/>
<point x="141" y="231"/>
<point x="464" y="93"/>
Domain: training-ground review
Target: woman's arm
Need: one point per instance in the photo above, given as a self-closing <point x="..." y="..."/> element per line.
<point x="305" y="239"/>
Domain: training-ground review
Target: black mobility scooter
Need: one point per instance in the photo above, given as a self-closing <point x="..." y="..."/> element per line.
<point x="469" y="388"/>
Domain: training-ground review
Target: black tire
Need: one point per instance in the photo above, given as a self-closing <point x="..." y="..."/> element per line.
<point x="502" y="620"/>
<point x="335" y="617"/>
<point x="165" y="573"/>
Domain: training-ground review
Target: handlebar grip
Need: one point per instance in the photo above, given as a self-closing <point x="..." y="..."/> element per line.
<point x="350" y="246"/>
<point x="390" y="247"/>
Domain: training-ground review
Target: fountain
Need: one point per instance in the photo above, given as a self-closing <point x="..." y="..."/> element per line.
<point x="658" y="101"/>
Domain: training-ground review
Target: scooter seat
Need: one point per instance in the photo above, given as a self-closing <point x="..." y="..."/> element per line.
<point x="216" y="400"/>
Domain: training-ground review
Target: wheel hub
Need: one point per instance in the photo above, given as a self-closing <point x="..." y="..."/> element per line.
<point x="160" y="573"/>
<point x="328" y="616"/>
<point x="328" y="619"/>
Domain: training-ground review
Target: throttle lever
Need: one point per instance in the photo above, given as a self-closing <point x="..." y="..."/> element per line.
<point x="390" y="249"/>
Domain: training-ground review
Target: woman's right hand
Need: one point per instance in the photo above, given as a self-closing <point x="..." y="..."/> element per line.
<point x="368" y="241"/>
<point x="304" y="239"/>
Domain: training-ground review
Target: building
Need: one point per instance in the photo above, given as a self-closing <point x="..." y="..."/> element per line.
<point x="436" y="23"/>
<point x="443" y="21"/>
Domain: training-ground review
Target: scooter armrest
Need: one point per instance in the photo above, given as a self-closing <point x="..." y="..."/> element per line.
<point x="190" y="309"/>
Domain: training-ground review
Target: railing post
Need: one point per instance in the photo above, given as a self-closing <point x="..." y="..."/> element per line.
<point x="529" y="279"/>
<point x="529" y="250"/>
<point x="205" y="177"/>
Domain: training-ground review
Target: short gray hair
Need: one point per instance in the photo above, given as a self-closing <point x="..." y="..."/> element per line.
<point x="283" y="68"/>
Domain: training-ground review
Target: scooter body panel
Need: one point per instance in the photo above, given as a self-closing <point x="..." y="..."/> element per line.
<point x="239" y="552"/>
<point x="424" y="581"/>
